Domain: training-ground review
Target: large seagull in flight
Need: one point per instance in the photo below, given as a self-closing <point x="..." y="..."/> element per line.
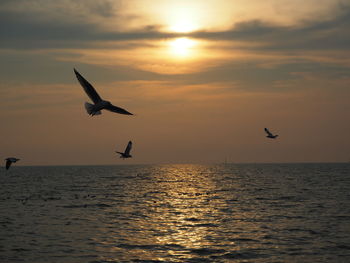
<point x="99" y="104"/>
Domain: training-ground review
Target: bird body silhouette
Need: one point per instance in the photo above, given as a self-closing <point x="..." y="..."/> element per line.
<point x="126" y="153"/>
<point x="269" y="134"/>
<point x="99" y="103"/>
<point x="9" y="161"/>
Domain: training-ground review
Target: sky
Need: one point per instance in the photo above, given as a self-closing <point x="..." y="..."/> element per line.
<point x="203" y="78"/>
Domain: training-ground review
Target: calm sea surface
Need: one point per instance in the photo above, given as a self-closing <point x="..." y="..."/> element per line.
<point x="176" y="213"/>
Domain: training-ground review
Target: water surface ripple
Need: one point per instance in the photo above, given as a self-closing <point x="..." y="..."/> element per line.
<point x="176" y="213"/>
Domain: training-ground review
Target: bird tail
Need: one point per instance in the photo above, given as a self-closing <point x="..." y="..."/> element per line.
<point x="91" y="109"/>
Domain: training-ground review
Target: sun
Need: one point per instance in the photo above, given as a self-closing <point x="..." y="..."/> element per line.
<point x="182" y="26"/>
<point x="182" y="47"/>
<point x="182" y="19"/>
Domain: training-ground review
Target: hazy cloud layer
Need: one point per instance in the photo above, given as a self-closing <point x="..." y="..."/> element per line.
<point x="76" y="24"/>
<point x="329" y="34"/>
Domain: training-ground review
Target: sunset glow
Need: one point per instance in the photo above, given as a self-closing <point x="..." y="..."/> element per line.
<point x="200" y="75"/>
<point x="182" y="47"/>
<point x="183" y="18"/>
<point x="174" y="130"/>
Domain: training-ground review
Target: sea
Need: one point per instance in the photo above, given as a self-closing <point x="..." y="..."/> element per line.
<point x="176" y="213"/>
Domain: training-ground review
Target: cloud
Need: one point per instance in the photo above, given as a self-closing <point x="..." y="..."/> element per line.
<point x="75" y="9"/>
<point x="23" y="32"/>
<point x="37" y="25"/>
<point x="309" y="35"/>
<point x="272" y="57"/>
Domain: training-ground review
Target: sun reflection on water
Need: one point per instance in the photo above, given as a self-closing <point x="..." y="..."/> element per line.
<point x="182" y="217"/>
<point x="175" y="213"/>
<point x="172" y="210"/>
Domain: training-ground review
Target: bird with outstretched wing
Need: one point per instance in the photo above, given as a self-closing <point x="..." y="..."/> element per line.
<point x="99" y="103"/>
<point x="126" y="153"/>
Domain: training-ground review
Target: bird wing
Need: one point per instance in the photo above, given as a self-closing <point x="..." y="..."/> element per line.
<point x="117" y="110"/>
<point x="128" y="148"/>
<point x="268" y="132"/>
<point x="8" y="164"/>
<point x="89" y="89"/>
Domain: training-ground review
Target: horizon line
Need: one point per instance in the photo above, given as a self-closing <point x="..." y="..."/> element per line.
<point x="198" y="163"/>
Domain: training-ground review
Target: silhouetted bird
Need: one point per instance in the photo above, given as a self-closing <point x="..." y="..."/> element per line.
<point x="9" y="161"/>
<point x="126" y="153"/>
<point x="99" y="104"/>
<point x="269" y="134"/>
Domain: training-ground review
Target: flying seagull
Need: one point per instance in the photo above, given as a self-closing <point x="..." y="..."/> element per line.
<point x="99" y="104"/>
<point x="126" y="153"/>
<point x="269" y="134"/>
<point x="9" y="161"/>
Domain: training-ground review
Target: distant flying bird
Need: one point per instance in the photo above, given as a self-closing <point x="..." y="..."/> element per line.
<point x="99" y="104"/>
<point x="269" y="134"/>
<point x="126" y="153"/>
<point x="9" y="161"/>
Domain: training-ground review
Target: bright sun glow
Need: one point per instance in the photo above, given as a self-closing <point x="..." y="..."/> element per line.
<point x="182" y="46"/>
<point x="183" y="19"/>
<point x="182" y="26"/>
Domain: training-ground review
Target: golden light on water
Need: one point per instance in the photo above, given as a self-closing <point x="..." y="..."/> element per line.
<point x="181" y="216"/>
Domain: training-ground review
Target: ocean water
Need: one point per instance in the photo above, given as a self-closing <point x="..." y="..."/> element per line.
<point x="176" y="213"/>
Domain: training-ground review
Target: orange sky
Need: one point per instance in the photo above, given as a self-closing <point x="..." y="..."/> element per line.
<point x="203" y="78"/>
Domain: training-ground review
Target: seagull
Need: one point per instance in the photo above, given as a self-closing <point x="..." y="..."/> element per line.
<point x="9" y="161"/>
<point x="269" y="134"/>
<point x="126" y="153"/>
<point x="99" y="104"/>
